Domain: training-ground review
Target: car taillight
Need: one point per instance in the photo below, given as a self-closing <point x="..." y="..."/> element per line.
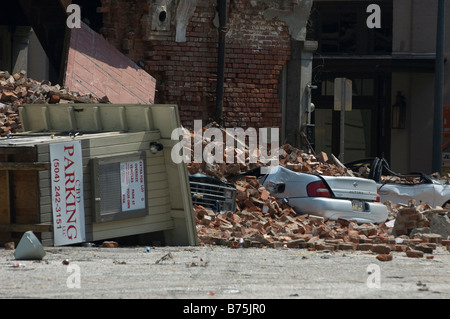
<point x="318" y="189"/>
<point x="378" y="197"/>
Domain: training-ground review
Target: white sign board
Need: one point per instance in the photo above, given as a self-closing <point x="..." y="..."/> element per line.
<point x="67" y="193"/>
<point x="132" y="185"/>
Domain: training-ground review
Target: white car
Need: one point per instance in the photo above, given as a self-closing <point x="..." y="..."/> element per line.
<point x="327" y="196"/>
<point x="434" y="193"/>
<point x="402" y="188"/>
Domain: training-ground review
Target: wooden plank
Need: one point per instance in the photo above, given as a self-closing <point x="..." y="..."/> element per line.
<point x="158" y="193"/>
<point x="4" y="198"/>
<point x="338" y="163"/>
<point x="23" y="186"/>
<point x="113" y="150"/>
<point x="133" y="230"/>
<point x="155" y="185"/>
<point x="156" y="169"/>
<point x="26" y="197"/>
<point x="148" y="224"/>
<point x="15" y="166"/>
<point x="5" y="150"/>
<point x="21" y="228"/>
<point x="156" y="177"/>
<point x="96" y="140"/>
<point x="5" y="205"/>
<point x="152" y="202"/>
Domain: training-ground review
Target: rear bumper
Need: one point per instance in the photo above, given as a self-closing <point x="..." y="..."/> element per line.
<point x="333" y="209"/>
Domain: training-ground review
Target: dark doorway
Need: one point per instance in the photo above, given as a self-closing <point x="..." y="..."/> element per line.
<point x="365" y="133"/>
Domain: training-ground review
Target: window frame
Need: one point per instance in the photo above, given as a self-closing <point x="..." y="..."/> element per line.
<point x="365" y="41"/>
<point x="96" y="163"/>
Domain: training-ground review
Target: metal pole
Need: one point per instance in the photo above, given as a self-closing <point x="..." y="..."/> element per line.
<point x="439" y="87"/>
<point x="343" y="99"/>
<point x="222" y="7"/>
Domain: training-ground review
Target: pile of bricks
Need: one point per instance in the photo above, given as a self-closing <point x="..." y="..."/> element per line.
<point x="285" y="229"/>
<point x="16" y="89"/>
<point x="263" y="221"/>
<point x="409" y="218"/>
<point x="290" y="157"/>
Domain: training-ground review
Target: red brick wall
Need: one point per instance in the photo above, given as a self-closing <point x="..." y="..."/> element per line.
<point x="96" y="67"/>
<point x="256" y="50"/>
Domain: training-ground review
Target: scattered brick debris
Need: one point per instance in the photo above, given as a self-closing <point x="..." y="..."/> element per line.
<point x="261" y="220"/>
<point x="16" y="89"/>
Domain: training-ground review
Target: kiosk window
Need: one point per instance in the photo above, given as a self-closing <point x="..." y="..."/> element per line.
<point x="119" y="187"/>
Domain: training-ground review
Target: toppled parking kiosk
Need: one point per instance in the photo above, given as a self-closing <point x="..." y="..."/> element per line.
<point x="88" y="172"/>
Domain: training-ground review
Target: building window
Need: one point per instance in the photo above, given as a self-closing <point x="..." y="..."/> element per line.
<point x="340" y="27"/>
<point x="119" y="187"/>
<point x="360" y="87"/>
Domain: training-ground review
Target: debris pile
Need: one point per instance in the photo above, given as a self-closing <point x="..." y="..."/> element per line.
<point x="285" y="229"/>
<point x="16" y="89"/>
<point x="251" y="196"/>
<point x="400" y="180"/>
<point x="263" y="221"/>
<point x="290" y="157"/>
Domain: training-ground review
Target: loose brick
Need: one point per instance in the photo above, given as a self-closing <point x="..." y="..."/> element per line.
<point x="275" y="244"/>
<point x="347" y="246"/>
<point x="317" y="220"/>
<point x="381" y="249"/>
<point x="343" y="222"/>
<point x="431" y="238"/>
<point x="322" y="156"/>
<point x="414" y="253"/>
<point x="296" y="243"/>
<point x="400" y="248"/>
<point x="424" y="248"/>
<point x="407" y="212"/>
<point x="364" y="247"/>
<point x="384" y="257"/>
<point x="110" y="244"/>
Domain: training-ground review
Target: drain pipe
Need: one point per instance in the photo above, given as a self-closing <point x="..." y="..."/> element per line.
<point x="222" y="12"/>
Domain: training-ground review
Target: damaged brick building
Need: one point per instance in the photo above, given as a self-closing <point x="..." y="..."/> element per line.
<point x="270" y="66"/>
<point x="266" y="58"/>
<point x="241" y="63"/>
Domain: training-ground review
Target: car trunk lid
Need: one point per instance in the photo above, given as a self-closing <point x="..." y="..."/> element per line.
<point x="352" y="187"/>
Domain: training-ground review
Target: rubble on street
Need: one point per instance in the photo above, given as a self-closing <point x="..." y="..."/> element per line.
<point x="279" y="226"/>
<point x="262" y="221"/>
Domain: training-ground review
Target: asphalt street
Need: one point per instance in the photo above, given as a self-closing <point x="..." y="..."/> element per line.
<point x="216" y="272"/>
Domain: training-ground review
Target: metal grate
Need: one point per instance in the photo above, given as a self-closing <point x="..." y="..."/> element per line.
<point x="109" y="180"/>
<point x="215" y="197"/>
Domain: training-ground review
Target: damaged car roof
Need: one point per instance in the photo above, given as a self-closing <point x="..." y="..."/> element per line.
<point x="402" y="188"/>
